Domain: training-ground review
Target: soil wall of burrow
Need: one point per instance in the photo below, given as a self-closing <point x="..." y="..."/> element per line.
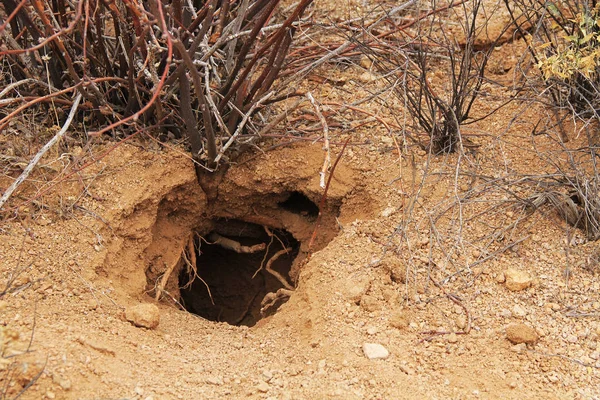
<point x="238" y="257"/>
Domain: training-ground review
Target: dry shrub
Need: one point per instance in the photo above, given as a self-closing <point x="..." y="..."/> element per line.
<point x="195" y="69"/>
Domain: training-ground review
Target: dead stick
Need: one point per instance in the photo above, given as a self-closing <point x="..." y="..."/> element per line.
<point x="41" y="153"/>
<point x="324" y="197"/>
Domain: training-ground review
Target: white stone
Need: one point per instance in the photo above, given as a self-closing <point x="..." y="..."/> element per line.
<point x="387" y="212"/>
<point x="375" y="351"/>
<point x="519" y="311"/>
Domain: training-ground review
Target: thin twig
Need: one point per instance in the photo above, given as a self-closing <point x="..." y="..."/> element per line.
<point x="25" y="174"/>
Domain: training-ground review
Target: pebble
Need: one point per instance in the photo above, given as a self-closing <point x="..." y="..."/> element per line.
<point x="356" y="288"/>
<point x="521" y="333"/>
<point x="452" y="338"/>
<point x="263" y="387"/>
<point x="92" y="304"/>
<point x="519" y="311"/>
<point x="387" y="212"/>
<point x="214" y="380"/>
<point x="461" y="322"/>
<point x="375" y="351"/>
<point x="371" y="330"/>
<point x="571" y="339"/>
<point x="505" y="313"/>
<point x="65" y="384"/>
<point x="399" y="320"/>
<point x="519" y="348"/>
<point x="369" y="303"/>
<point x="398" y="274"/>
<point x="144" y="315"/>
<point x="267" y="374"/>
<point x="517" y="280"/>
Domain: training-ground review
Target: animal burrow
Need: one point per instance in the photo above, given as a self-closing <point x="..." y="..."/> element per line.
<point x="240" y="271"/>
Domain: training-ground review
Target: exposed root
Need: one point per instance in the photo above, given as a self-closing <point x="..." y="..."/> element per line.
<point x="160" y="288"/>
<point x="192" y="267"/>
<point x="275" y="273"/>
<point x="271" y="299"/>
<point x="231" y="244"/>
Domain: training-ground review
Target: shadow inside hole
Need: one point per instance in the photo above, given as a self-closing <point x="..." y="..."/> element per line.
<point x="236" y="294"/>
<point x="298" y="203"/>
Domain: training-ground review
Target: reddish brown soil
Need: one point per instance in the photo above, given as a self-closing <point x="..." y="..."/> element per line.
<point x="367" y="280"/>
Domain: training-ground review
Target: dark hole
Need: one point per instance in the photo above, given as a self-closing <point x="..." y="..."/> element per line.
<point x="298" y="203"/>
<point x="237" y="288"/>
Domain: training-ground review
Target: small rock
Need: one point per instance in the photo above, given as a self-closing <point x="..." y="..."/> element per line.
<point x="571" y="339"/>
<point x="356" y="288"/>
<point x="452" y="338"/>
<point x="92" y="304"/>
<point x="50" y="395"/>
<point x="21" y="281"/>
<point x="519" y="348"/>
<point x="461" y="322"/>
<point x="519" y="311"/>
<point x="65" y="384"/>
<point x="263" y="387"/>
<point x="371" y="330"/>
<point x="369" y="303"/>
<point x="145" y="315"/>
<point x="214" y="380"/>
<point x="521" y="333"/>
<point x="367" y="77"/>
<point x="517" y="280"/>
<point x="399" y="320"/>
<point x="398" y="274"/>
<point x="500" y="278"/>
<point x="375" y="351"/>
<point x="387" y="212"/>
<point x="267" y="374"/>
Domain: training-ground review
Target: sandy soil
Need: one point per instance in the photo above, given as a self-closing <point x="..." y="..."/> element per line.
<point x="409" y="255"/>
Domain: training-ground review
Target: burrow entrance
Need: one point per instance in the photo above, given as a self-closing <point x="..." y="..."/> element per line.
<point x="240" y="272"/>
<point x="238" y="259"/>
